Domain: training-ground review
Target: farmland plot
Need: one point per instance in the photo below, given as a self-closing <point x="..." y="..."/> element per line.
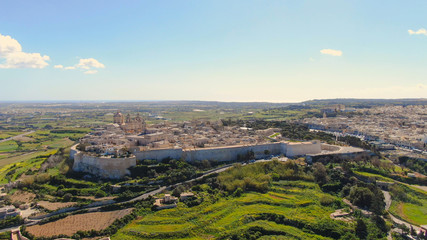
<point x="79" y="222"/>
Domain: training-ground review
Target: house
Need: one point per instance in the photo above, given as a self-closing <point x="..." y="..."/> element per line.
<point x="167" y="201"/>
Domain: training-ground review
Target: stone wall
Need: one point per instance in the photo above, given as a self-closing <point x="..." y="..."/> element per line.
<point x="231" y="153"/>
<point x="303" y="148"/>
<point x="114" y="168"/>
<point x="73" y="151"/>
<point x="159" y="154"/>
<point x="118" y="167"/>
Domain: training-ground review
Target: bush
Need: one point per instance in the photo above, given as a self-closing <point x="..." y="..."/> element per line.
<point x="100" y="194"/>
<point x="11" y="221"/>
<point x="326" y="200"/>
<point x="67" y="197"/>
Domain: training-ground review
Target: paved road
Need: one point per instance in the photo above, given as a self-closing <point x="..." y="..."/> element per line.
<point x="17" y="136"/>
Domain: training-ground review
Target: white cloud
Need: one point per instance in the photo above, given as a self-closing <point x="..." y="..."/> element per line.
<point x="91" y="72"/>
<point x="13" y="56"/>
<point x="58" y="66"/>
<point x="331" y="52"/>
<point x="88" y="64"/>
<point x="420" y="31"/>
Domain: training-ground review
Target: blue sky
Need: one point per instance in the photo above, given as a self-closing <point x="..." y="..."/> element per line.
<point x="279" y="51"/>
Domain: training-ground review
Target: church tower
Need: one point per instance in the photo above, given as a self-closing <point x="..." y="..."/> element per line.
<point x="118" y="118"/>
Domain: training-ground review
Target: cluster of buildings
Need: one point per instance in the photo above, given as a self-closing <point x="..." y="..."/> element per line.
<point x="404" y="126"/>
<point x="129" y="134"/>
<point x="109" y="151"/>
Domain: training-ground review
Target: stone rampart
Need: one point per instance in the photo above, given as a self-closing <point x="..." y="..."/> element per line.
<point x="159" y="154"/>
<point x="303" y="148"/>
<point x="101" y="166"/>
<point x="118" y="167"/>
<point x="231" y="153"/>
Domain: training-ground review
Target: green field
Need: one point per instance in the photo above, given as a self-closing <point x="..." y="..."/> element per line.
<point x="35" y="144"/>
<point x="32" y="161"/>
<point x="295" y="201"/>
<point x="413" y="209"/>
<point x="377" y="177"/>
<point x="8" y="134"/>
<point x="8" y="146"/>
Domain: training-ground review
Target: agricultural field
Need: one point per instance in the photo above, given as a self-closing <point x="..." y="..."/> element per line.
<point x="295" y="203"/>
<point x="377" y="177"/>
<point x="79" y="222"/>
<point x="8" y="134"/>
<point x="409" y="204"/>
<point x="31" y="162"/>
<point x="32" y="146"/>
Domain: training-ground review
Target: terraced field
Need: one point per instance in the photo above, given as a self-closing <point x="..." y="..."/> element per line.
<point x="79" y="222"/>
<point x="289" y="207"/>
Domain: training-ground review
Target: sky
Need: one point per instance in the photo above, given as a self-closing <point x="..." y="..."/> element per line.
<point x="273" y="51"/>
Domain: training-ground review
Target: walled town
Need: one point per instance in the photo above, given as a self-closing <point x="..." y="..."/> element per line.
<point x="110" y="151"/>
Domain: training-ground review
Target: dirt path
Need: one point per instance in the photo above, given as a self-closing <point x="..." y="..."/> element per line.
<point x="387" y="200"/>
<point x="424" y="188"/>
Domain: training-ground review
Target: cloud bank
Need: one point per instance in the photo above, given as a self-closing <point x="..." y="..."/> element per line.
<point x="331" y="52"/>
<point x="12" y="56"/>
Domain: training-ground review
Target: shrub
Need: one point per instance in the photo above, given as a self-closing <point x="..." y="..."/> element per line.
<point x="100" y="194"/>
<point x="326" y="200"/>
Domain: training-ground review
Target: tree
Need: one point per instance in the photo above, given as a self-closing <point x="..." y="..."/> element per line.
<point x="67" y="197"/>
<point x="178" y="190"/>
<point x="413" y="232"/>
<point x="361" y="229"/>
<point x="206" y="164"/>
<point x="361" y="196"/>
<point x="320" y="174"/>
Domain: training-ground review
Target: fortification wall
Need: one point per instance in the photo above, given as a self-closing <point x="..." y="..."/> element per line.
<point x="297" y="149"/>
<point x="118" y="167"/>
<point x="231" y="153"/>
<point x="160" y="154"/>
<point x="104" y="167"/>
<point x="73" y="151"/>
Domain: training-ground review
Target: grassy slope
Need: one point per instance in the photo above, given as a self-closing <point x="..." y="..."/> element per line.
<point x="414" y="211"/>
<point x="296" y="200"/>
